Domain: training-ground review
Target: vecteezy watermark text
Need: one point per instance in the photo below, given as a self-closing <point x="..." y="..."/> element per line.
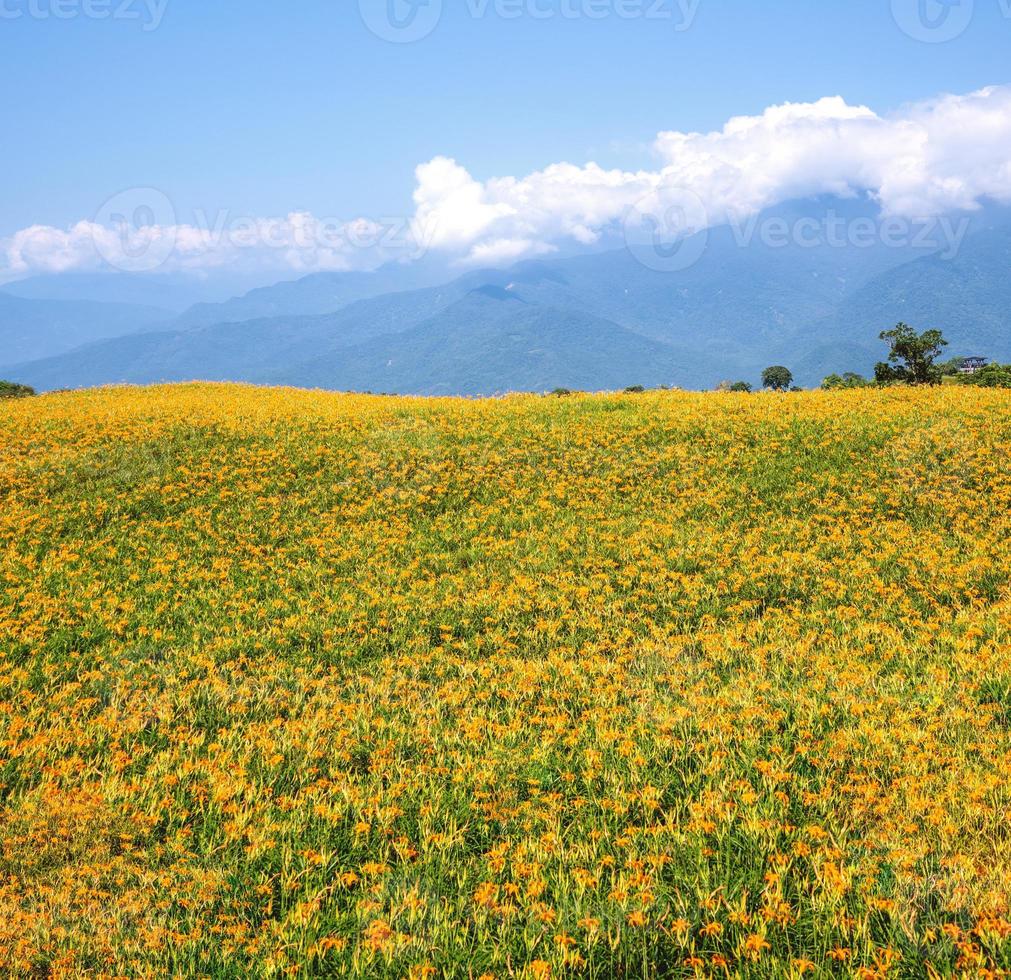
<point x="943" y="235"/>
<point x="409" y="235"/>
<point x="138" y="230"/>
<point x="680" y="13"/>
<point x="404" y="21"/>
<point x="671" y="233"/>
<point x="149" y="13"/>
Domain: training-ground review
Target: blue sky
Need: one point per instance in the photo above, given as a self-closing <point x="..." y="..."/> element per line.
<point x="265" y="107"/>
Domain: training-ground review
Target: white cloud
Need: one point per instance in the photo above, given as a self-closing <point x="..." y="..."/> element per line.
<point x="502" y="251"/>
<point x="944" y="154"/>
<point x="928" y="159"/>
<point x="299" y="241"/>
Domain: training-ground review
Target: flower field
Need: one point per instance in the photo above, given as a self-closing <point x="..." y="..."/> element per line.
<point x="659" y="685"/>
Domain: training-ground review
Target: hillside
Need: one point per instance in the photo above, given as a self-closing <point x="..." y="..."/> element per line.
<point x="605" y="686"/>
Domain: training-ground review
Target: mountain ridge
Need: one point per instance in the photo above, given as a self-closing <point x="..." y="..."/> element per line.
<point x="737" y="310"/>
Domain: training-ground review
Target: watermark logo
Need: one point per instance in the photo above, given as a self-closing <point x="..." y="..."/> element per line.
<point x="933" y="21"/>
<point x="138" y="230"/>
<point x="667" y="231"/>
<point x="401" y="21"/>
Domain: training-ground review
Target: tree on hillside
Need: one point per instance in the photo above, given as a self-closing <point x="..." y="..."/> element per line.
<point x="778" y="378"/>
<point x="912" y="357"/>
<point x="848" y="380"/>
<point x="950" y="368"/>
<point x="10" y="389"/>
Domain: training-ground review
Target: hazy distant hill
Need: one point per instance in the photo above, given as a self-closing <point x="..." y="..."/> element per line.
<point x="489" y="342"/>
<point x="242" y="351"/>
<point x="321" y="292"/>
<point x="32" y="328"/>
<point x="967" y="296"/>
<point x="167" y="291"/>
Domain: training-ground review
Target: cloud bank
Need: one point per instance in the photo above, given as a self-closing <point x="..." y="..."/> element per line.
<point x="933" y="157"/>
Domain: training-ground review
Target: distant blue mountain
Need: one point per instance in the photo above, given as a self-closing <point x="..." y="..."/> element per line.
<point x="33" y="328"/>
<point x="967" y="297"/>
<point x="321" y="292"/>
<point x="166" y="291"/>
<point x="241" y="351"/>
<point x="593" y="321"/>
<point x="491" y="342"/>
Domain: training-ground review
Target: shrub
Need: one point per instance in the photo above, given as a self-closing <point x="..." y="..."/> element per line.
<point x="10" y="389"/>
<point x="991" y="376"/>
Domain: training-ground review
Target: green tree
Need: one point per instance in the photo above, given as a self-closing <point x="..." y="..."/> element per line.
<point x="951" y="367"/>
<point x="9" y="389"/>
<point x="740" y="386"/>
<point x="912" y="356"/>
<point x="848" y="380"/>
<point x="778" y="378"/>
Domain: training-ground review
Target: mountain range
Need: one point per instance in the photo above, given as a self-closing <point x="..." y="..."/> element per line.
<point x="600" y="320"/>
